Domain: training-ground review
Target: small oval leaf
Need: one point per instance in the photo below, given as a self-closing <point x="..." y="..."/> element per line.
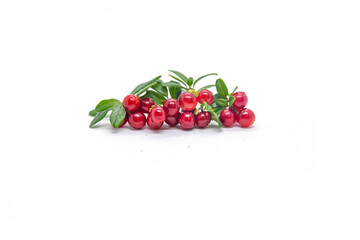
<point x="106" y="104"/>
<point x="222" y="102"/>
<point x="221" y="88"/>
<point x="117" y="115"/>
<point x="98" y="117"/>
<point x="93" y="113"/>
<point x="190" y="81"/>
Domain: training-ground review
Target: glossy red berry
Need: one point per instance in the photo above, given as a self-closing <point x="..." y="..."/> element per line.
<point x="187" y="120"/>
<point x="205" y="95"/>
<point x="158" y="114"/>
<point x="240" y="100"/>
<point x="203" y="119"/>
<point x="146" y="104"/>
<point x="131" y="103"/>
<point x="137" y="120"/>
<point x="172" y="120"/>
<point x="171" y="106"/>
<point x="227" y="117"/>
<point x="188" y="101"/>
<point x="246" y="117"/>
<point x="153" y="125"/>
<point x="125" y="121"/>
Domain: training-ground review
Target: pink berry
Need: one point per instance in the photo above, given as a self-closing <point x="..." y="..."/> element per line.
<point x="203" y="119"/>
<point x="131" y="103"/>
<point x="172" y="120"/>
<point x="246" y="117"/>
<point x="137" y="120"/>
<point x="188" y="101"/>
<point x="227" y="117"/>
<point x="146" y="104"/>
<point x="205" y="95"/>
<point x="171" y="106"/>
<point x="158" y="114"/>
<point x="240" y="100"/>
<point x="153" y="125"/>
<point x="187" y="120"/>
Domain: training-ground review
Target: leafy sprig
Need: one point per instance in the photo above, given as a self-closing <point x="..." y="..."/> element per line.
<point x="159" y="91"/>
<point x="189" y="83"/>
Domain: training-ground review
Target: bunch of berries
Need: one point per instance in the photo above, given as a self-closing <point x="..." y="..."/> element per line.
<point x="149" y="103"/>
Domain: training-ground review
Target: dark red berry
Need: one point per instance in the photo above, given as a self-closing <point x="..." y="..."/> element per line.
<point x="137" y="120"/>
<point x="187" y="120"/>
<point x="246" y="117"/>
<point x="131" y="103"/>
<point x="171" y="106"/>
<point x="153" y="125"/>
<point x="146" y="104"/>
<point x="240" y="100"/>
<point x="125" y="121"/>
<point x="172" y="120"/>
<point x="188" y="101"/>
<point x="227" y="117"/>
<point x="205" y="95"/>
<point x="203" y="119"/>
<point x="158" y="114"/>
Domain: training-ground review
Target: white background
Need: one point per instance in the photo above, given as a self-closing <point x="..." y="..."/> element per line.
<point x="294" y="175"/>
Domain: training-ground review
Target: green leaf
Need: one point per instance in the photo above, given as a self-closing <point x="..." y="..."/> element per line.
<point x="174" y="84"/>
<point x="98" y="117"/>
<point x="197" y="80"/>
<point x="92" y="113"/>
<point x="214" y="115"/>
<point x="231" y="100"/>
<point x="221" y="88"/>
<point x="190" y="81"/>
<point x="158" y="98"/>
<point x="206" y="87"/>
<point x="117" y="115"/>
<point x="207" y="106"/>
<point x="179" y="80"/>
<point x="217" y="110"/>
<point x="174" y="89"/>
<point x="180" y="75"/>
<point x="222" y="102"/>
<point x="146" y="88"/>
<point x="141" y="86"/>
<point x="160" y="88"/>
<point x="106" y="104"/>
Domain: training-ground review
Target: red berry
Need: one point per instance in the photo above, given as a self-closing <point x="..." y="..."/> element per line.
<point x="227" y="117"/>
<point x="137" y="120"/>
<point x="158" y="114"/>
<point x="131" y="103"/>
<point x="172" y="120"/>
<point x="146" y="104"/>
<point x="241" y="100"/>
<point x="188" y="101"/>
<point x="187" y="120"/>
<point x="153" y="125"/>
<point x="246" y="118"/>
<point x="203" y="119"/>
<point x="171" y="106"/>
<point x="125" y="120"/>
<point x="205" y="95"/>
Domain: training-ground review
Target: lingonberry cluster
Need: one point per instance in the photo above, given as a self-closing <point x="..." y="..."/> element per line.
<point x="149" y="103"/>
